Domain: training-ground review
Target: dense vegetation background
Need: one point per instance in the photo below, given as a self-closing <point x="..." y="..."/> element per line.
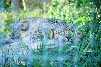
<point x="85" y="13"/>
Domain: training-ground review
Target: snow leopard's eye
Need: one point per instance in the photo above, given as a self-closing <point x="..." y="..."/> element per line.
<point x="24" y="26"/>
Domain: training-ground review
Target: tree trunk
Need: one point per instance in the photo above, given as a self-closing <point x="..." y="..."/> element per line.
<point x="16" y="5"/>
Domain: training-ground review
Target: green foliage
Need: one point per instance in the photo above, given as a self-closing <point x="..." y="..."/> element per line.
<point x="67" y="10"/>
<point x="8" y="20"/>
